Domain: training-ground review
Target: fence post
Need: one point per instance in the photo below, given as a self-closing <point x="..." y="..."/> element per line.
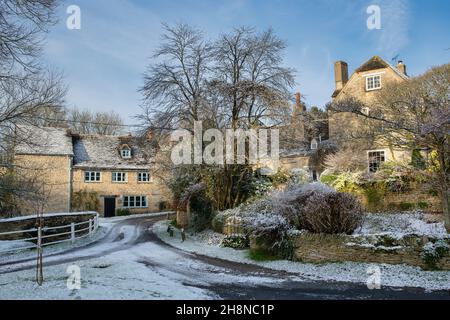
<point x="96" y="222"/>
<point x="90" y="226"/>
<point x="72" y="232"/>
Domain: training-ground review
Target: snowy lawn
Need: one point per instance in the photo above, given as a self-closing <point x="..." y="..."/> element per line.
<point x="391" y="275"/>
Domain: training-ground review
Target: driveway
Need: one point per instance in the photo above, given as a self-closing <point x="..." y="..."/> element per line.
<point x="130" y="262"/>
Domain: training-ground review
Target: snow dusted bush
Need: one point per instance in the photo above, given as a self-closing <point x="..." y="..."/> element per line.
<point x="300" y="176"/>
<point x="331" y="213"/>
<point x="271" y="232"/>
<point x="289" y="203"/>
<point x="433" y="252"/>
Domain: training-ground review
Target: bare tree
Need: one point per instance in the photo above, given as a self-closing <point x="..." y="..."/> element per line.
<point x="85" y="121"/>
<point x="22" y="26"/>
<point x="175" y="88"/>
<point x="235" y="82"/>
<point x="414" y="115"/>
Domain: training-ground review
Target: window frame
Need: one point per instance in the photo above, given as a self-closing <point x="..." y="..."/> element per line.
<point x="370" y="163"/>
<point x="128" y="150"/>
<point x="373" y="76"/>
<point x="90" y="173"/>
<point x="139" y="175"/>
<point x="128" y="200"/>
<point x="115" y="173"/>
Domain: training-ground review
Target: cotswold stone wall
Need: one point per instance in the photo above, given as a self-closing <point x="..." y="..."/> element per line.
<point x="322" y="248"/>
<point x="27" y="223"/>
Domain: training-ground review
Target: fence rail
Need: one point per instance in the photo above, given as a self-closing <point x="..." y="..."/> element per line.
<point x="91" y="227"/>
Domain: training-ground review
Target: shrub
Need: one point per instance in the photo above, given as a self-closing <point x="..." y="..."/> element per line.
<point x="406" y="206"/>
<point x="432" y="253"/>
<point x="200" y="207"/>
<point x="85" y="200"/>
<point x="423" y="205"/>
<point x="236" y="242"/>
<point x="289" y="203"/>
<point x="272" y="232"/>
<point x="331" y="213"/>
<point x="123" y="212"/>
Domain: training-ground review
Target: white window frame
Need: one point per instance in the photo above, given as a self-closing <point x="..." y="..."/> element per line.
<point x="116" y="174"/>
<point x="315" y="144"/>
<point x="125" y="153"/>
<point x="130" y="202"/>
<point x="373" y="76"/>
<point x="369" y="160"/>
<point x="140" y="174"/>
<point x="94" y="176"/>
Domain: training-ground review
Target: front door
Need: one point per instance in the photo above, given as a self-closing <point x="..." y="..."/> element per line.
<point x="110" y="207"/>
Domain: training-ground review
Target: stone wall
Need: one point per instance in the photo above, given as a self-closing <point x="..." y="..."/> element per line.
<point x="322" y="248"/>
<point x="53" y="175"/>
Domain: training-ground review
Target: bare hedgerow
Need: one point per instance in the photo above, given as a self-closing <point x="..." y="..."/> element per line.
<point x="331" y="213"/>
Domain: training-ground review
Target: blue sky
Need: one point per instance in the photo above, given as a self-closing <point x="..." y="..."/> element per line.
<point x="104" y="61"/>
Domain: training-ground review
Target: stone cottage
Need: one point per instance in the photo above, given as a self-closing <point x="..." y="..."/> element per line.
<point x="116" y="169"/>
<point x="368" y="79"/>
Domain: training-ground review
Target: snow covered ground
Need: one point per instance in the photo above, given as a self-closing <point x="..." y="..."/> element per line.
<point x="391" y="275"/>
<point x="399" y="225"/>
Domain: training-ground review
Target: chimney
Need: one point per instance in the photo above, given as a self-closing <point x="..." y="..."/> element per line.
<point x="401" y="67"/>
<point x="298" y="102"/>
<point x="340" y="74"/>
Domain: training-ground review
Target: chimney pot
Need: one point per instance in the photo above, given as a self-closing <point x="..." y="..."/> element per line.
<point x="401" y="67"/>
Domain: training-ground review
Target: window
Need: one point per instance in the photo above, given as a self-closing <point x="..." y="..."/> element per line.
<point x="376" y="159"/>
<point x="373" y="82"/>
<point x="314" y="144"/>
<point x="92" y="176"/>
<point x="135" y="202"/>
<point x="143" y="177"/>
<point x="125" y="153"/>
<point x="119" y="177"/>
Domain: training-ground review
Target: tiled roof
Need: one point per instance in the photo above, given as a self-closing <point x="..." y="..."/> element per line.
<point x="32" y="140"/>
<point x="103" y="152"/>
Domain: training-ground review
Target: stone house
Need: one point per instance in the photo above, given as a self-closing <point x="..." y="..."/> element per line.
<point x="115" y="169"/>
<point x="364" y="84"/>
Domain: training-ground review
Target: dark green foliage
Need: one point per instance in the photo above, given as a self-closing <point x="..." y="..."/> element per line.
<point x="200" y="206"/>
<point x="121" y="212"/>
<point x="218" y="222"/>
<point x="374" y="194"/>
<point x="236" y="242"/>
<point x="417" y="160"/>
<point x="85" y="200"/>
<point x="423" y="205"/>
<point x="262" y="255"/>
<point x="406" y="206"/>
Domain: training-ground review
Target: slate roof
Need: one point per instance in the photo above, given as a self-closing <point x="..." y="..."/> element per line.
<point x="103" y="152"/>
<point x="32" y="140"/>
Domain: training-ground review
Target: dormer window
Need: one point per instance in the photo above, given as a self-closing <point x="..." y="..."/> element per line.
<point x="125" y="152"/>
<point x="314" y="144"/>
<point x="373" y="82"/>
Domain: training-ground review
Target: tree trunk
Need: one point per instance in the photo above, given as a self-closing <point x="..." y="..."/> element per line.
<point x="445" y="187"/>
